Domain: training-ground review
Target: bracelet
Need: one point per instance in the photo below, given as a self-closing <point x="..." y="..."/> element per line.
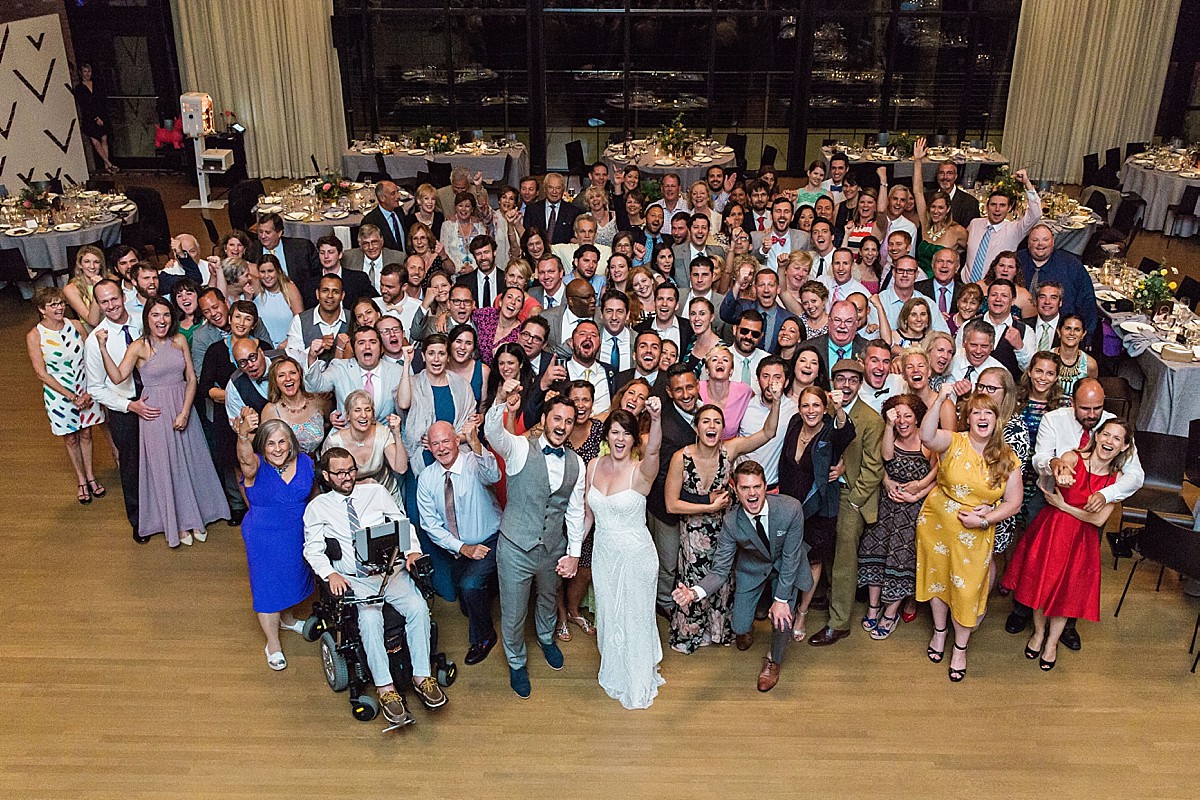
<point x="243" y="437"/>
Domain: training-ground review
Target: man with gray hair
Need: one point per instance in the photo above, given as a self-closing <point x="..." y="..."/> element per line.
<point x="388" y="216"/>
<point x="462" y="181"/>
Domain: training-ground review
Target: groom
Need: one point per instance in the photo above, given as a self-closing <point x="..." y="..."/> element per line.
<point x="766" y="532"/>
<point x="545" y="494"/>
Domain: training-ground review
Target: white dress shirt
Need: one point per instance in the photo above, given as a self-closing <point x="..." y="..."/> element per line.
<point x="1043" y="331"/>
<point x="1006" y="235"/>
<point x="373" y="268"/>
<point x="760" y="221"/>
<point x="959" y="366"/>
<point x="556" y="299"/>
<point x="596" y="377"/>
<point x="670" y="331"/>
<point x="843" y="291"/>
<point x="1024" y="353"/>
<point x="295" y="346"/>
<point x="134" y="304"/>
<point x="1060" y="433"/>
<point x="745" y="367"/>
<point x="327" y="518"/>
<point x="754" y="420"/>
<point x="515" y="450"/>
<point x="624" y="349"/>
<point x="892" y="303"/>
<point x="901" y="223"/>
<point x="680" y="205"/>
<point x="113" y="396"/>
<point x="234" y="402"/>
<point x="821" y="264"/>
<point x="476" y="511"/>
<point x="892" y="385"/>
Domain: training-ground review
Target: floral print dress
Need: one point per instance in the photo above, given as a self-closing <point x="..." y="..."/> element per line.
<point x="707" y="621"/>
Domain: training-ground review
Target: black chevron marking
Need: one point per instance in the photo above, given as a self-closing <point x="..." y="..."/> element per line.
<point x="65" y="144"/>
<point x="37" y="44"/>
<point x="53" y="177"/>
<point x="4" y="43"/>
<point x="41" y="96"/>
<point x="8" y="127"/>
<point x="3" y="161"/>
<point x="26" y="179"/>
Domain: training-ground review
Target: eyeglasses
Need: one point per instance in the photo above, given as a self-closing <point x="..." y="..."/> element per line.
<point x="242" y="363"/>
<point x="460" y="301"/>
<point x="345" y="473"/>
<point x="984" y="387"/>
<point x="749" y="332"/>
<point x="531" y="337"/>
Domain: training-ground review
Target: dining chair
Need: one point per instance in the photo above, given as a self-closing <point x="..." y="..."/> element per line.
<point x="243" y="196"/>
<point x="738" y="142"/>
<point x="1148" y="265"/>
<point x="1174" y="545"/>
<point x="1118" y="396"/>
<point x="1112" y="159"/>
<point x="1163" y="458"/>
<point x="316" y="166"/>
<point x="1133" y="148"/>
<point x="381" y="170"/>
<point x="1091" y="168"/>
<point x="1189" y="289"/>
<point x="13" y="268"/>
<point x="576" y="165"/>
<point x="769" y="154"/>
<point x="1098" y="203"/>
<point x="1186" y="207"/>
<point x="439" y="173"/>
<point x="1191" y="467"/>
<point x="69" y="270"/>
<point x="152" y="227"/>
<point x="210" y="227"/>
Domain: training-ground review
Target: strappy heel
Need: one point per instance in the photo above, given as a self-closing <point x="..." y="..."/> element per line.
<point x="870" y="624"/>
<point x="936" y="656"/>
<point x="884" y="629"/>
<point x="957" y="675"/>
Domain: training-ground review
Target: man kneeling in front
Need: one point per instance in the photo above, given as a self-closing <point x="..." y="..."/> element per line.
<point x="338" y="514"/>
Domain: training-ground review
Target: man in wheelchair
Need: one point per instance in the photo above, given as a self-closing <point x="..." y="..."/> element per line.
<point x="350" y="507"/>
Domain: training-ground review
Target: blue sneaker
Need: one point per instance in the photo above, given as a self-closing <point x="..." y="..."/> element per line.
<point x="518" y="679"/>
<point x="554" y="656"/>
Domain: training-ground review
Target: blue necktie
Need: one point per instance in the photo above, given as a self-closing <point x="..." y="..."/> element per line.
<point x="554" y="451"/>
<point x="396" y="229"/>
<point x="978" y="266"/>
<point x="615" y="358"/>
<point x="549" y="301"/>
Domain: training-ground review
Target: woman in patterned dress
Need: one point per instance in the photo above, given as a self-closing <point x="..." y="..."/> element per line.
<point x="1037" y="393"/>
<point x="998" y="382"/>
<point x="887" y="554"/>
<point x="978" y="485"/>
<point x="56" y="350"/>
<point x="698" y="473"/>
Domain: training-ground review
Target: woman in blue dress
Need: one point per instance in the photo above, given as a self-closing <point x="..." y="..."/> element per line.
<point x="278" y="479"/>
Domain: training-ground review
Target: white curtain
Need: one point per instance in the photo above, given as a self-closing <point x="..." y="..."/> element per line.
<point x="1087" y="75"/>
<point x="272" y="63"/>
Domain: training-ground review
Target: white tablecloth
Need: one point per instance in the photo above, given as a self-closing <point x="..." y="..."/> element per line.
<point x="49" y="250"/>
<point x="1159" y="190"/>
<point x="688" y="172"/>
<point x="968" y="170"/>
<point x="507" y="167"/>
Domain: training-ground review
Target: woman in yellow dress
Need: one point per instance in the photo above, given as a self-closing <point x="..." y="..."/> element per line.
<point x="978" y="484"/>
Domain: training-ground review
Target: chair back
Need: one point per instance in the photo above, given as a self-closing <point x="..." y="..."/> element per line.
<point x="1187" y="203"/>
<point x="1189" y="288"/>
<point x="1170" y="544"/>
<point x="1118" y="396"/>
<point x="1133" y="148"/>
<point x="439" y="173"/>
<point x="1112" y="159"/>
<point x="1091" y="166"/>
<point x="381" y="170"/>
<point x="1191" y="468"/>
<point x="769" y="154"/>
<point x="12" y="266"/>
<point x="1148" y="265"/>
<point x="242" y="198"/>
<point x="738" y="142"/>
<point x="576" y="165"/>
<point x="1163" y="457"/>
<point x="316" y="166"/>
<point x="1098" y="203"/>
<point x="152" y="226"/>
<point x="1128" y="212"/>
<point x="72" y="252"/>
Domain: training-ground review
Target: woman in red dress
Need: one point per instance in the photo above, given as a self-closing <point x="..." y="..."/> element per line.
<point x="1055" y="568"/>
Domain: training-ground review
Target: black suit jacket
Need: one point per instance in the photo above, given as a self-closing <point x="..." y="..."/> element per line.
<point x="685" y="332"/>
<point x="436" y="227"/>
<point x="676" y="434"/>
<point x="302" y="265"/>
<point x="1004" y="353"/>
<point x="658" y="388"/>
<point x="375" y="217"/>
<point x="472" y="282"/>
<point x="821" y="345"/>
<point x="963" y="207"/>
<point x="355" y="284"/>
<point x="927" y="288"/>
<point x="564" y="226"/>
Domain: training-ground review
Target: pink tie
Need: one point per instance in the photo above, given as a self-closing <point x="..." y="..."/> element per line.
<point x="369" y="384"/>
<point x="837" y="292"/>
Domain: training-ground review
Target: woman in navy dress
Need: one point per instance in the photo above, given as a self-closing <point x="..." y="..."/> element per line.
<point x="278" y="479"/>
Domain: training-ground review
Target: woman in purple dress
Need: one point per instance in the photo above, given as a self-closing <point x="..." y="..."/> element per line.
<point x="178" y="493"/>
<point x="278" y="479"/>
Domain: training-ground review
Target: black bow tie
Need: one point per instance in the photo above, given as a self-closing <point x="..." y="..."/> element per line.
<point x="557" y="451"/>
<point x="882" y="391"/>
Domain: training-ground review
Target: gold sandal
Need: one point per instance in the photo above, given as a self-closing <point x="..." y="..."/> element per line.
<point x="562" y="632"/>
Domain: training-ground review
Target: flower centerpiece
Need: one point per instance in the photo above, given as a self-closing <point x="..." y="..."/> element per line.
<point x="902" y="144"/>
<point x="35" y="200"/>
<point x="1153" y="290"/>
<point x="330" y="187"/>
<point x="435" y="141"/>
<point x="674" y="138"/>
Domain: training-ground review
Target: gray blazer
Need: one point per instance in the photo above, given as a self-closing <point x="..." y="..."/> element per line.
<point x="353" y="259"/>
<point x="787" y="559"/>
<point x="797" y="240"/>
<point x="343" y="376"/>
<point x="682" y="276"/>
<point x="554" y="316"/>
<point x="422" y="414"/>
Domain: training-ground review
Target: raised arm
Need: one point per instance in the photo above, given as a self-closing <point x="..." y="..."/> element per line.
<point x="244" y="426"/>
<point x="919" y="151"/>
<point x="650" y="455"/>
<point x="393" y="451"/>
<point x="932" y="436"/>
<point x="117" y="373"/>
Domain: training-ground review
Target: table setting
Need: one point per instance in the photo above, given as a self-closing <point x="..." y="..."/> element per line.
<point x="1161" y="333"/>
<point x="1160" y="175"/>
<point x="42" y="225"/>
<point x="314" y="208"/>
<point x="673" y="148"/>
<point x="1071" y="223"/>
<point x="501" y="160"/>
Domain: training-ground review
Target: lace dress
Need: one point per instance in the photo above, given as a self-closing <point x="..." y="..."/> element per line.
<point x="625" y="578"/>
<point x="707" y="621"/>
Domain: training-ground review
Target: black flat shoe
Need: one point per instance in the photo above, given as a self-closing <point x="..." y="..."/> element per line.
<point x="236" y="517"/>
<point x="1070" y="638"/>
<point x="1015" y="623"/>
<point x="957" y="675"/>
<point x="478" y="652"/>
<point x="137" y="537"/>
<point x="936" y="656"/>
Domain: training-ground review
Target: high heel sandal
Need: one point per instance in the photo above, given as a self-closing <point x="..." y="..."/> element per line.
<point x="84" y="496"/>
<point x="957" y="675"/>
<point x="96" y="489"/>
<point x="881" y="632"/>
<point x="936" y="656"/>
<point x="562" y="632"/>
<point x="583" y="624"/>
<point x="799" y="634"/>
<point x="869" y="624"/>
<point x="1030" y="653"/>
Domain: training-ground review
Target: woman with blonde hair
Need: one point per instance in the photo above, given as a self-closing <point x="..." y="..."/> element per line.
<point x="718" y="389"/>
<point x="596" y="200"/>
<point x="517" y="275"/>
<point x="89" y="270"/>
<point x="913" y="324"/>
<point x="278" y="300"/>
<point x="426" y="211"/>
<point x="700" y="198"/>
<point x="378" y="450"/>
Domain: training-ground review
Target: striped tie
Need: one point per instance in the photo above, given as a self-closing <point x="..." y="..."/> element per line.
<point x="979" y="265"/>
<point x="355" y="527"/>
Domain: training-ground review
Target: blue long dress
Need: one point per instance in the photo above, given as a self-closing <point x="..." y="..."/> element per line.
<point x="274" y="534"/>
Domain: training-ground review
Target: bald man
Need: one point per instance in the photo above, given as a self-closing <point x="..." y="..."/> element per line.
<point x="185" y="263"/>
<point x="461" y="516"/>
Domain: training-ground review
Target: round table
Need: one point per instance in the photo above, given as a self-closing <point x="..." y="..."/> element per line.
<point x="303" y="229"/>
<point x="688" y="171"/>
<point x="43" y="251"/>
<point x="1159" y="190"/>
<point x="1073" y="240"/>
<point x="507" y="167"/>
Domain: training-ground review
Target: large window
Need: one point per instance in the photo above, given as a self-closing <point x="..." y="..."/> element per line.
<point x="788" y="74"/>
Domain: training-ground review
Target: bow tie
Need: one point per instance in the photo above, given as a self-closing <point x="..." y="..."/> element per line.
<point x="833" y="188"/>
<point x="882" y="391"/>
<point x="556" y="451"/>
<point x="778" y="240"/>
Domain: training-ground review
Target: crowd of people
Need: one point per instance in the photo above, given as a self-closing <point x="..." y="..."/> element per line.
<point x="737" y="402"/>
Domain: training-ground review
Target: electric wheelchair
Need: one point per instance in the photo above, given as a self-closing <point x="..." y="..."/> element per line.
<point x="334" y="624"/>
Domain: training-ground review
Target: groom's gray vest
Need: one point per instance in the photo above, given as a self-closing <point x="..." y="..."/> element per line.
<point x="534" y="515"/>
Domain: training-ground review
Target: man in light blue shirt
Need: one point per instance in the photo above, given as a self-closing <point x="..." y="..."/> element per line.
<point x="903" y="289"/>
<point x="461" y="515"/>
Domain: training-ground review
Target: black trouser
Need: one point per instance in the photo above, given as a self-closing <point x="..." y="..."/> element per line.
<point x="124" y="428"/>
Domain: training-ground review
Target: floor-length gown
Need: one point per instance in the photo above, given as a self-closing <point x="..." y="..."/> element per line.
<point x="178" y="488"/>
<point x="625" y="577"/>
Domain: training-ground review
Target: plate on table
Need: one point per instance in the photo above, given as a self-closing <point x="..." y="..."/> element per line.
<point x="1132" y="326"/>
<point x="854" y="156"/>
<point x="938" y="158"/>
<point x="370" y="151"/>
<point x="1073" y="225"/>
<point x="271" y="209"/>
<point x="1189" y="173"/>
<point x="272" y="200"/>
<point x="355" y="185"/>
<point x="724" y="149"/>
<point x="887" y="157"/>
<point x="1168" y="169"/>
<point x="122" y="206"/>
<point x="1158" y="347"/>
<point x="89" y="193"/>
<point x="702" y="159"/>
<point x="618" y="157"/>
<point x="490" y="151"/>
<point x="67" y="227"/>
<point x="294" y="216"/>
<point x="19" y="231"/>
<point x="335" y="213"/>
<point x="664" y="162"/>
<point x="1107" y="295"/>
<point x="417" y="151"/>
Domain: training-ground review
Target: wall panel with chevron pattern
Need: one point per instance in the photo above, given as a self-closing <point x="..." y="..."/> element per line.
<point x="39" y="126"/>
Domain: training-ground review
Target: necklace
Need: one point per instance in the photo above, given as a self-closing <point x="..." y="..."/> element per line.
<point x="935" y="235"/>
<point x="293" y="409"/>
<point x="279" y="470"/>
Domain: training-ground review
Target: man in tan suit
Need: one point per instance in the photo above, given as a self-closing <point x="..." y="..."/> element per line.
<point x="859" y="504"/>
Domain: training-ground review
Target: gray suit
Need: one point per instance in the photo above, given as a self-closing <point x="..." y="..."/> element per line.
<point x="554" y="316"/>
<point x="343" y="376"/>
<point x="786" y="564"/>
<point x="797" y="240"/>
<point x="683" y="262"/>
<point x="354" y="259"/>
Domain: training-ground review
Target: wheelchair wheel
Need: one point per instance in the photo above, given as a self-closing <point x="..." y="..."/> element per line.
<point x="364" y="708"/>
<point x="445" y="671"/>
<point x="337" y="673"/>
<point x="313" y="628"/>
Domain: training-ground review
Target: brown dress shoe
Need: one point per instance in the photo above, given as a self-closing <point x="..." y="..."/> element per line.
<point x="827" y="636"/>
<point x="769" y="675"/>
<point x="744" y="640"/>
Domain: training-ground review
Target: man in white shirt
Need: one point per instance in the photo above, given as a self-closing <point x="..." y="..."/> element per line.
<point x="839" y="165"/>
<point x="120" y="400"/>
<point x="759" y="213"/>
<point x="616" y="347"/>
<point x="1013" y="345"/>
<point x="747" y="333"/>
<point x="326" y="321"/>
<point x="369" y="258"/>
<point x="878" y="381"/>
<point x="339" y="514"/>
<point x="975" y="354"/>
<point x="672" y="201"/>
<point x="585" y="229"/>
<point x="894" y="220"/>
<point x="821" y="236"/>
<point x="903" y="289"/>
<point x="485" y="281"/>
<point x="989" y="236"/>
<point x="145" y="286"/>
<point x="720" y="185"/>
<point x="585" y="347"/>
<point x="549" y="290"/>
<point x="840" y="279"/>
<point x="647" y="353"/>
<point x="771" y="370"/>
<point x="393" y="298"/>
<point x="665" y="321"/>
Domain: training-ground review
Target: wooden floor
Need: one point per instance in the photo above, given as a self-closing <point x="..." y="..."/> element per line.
<point x="133" y="671"/>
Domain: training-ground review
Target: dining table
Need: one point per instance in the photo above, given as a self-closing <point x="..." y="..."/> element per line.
<point x="500" y="164"/>
<point x="649" y="161"/>
<point x="45" y="247"/>
<point x="306" y="218"/>
<point x="1161" y="188"/>
<point x="969" y="161"/>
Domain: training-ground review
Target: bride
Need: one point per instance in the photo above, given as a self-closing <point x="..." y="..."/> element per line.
<point x="624" y="562"/>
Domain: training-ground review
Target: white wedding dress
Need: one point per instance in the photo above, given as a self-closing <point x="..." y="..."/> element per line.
<point x="625" y="579"/>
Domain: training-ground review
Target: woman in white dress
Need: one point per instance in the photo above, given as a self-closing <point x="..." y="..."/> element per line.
<point x="624" y="561"/>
